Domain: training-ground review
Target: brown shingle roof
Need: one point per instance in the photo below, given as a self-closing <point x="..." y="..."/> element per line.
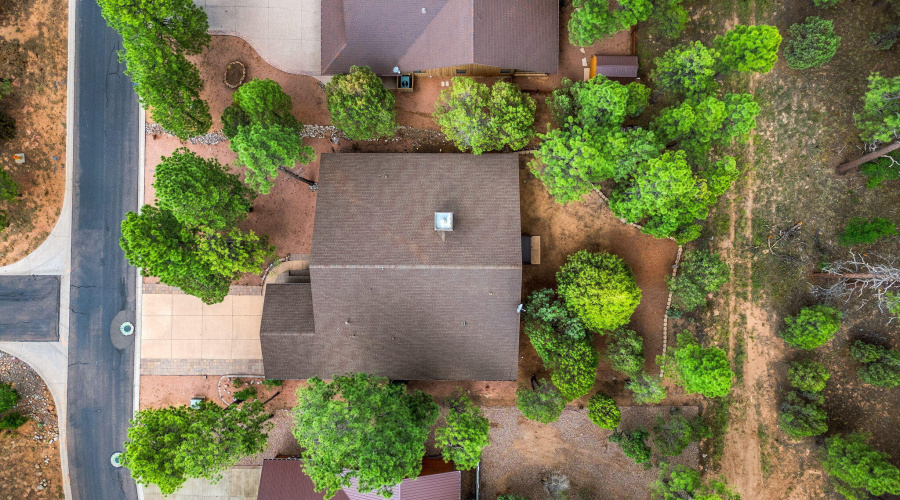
<point x="287" y="319"/>
<point x="284" y="479"/>
<point x="389" y="296"/>
<point x="428" y="34"/>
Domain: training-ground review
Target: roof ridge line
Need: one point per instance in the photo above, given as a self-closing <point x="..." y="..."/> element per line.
<point x="412" y="266"/>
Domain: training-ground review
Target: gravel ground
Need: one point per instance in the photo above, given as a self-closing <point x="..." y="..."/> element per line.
<point x="281" y="441"/>
<point x="523" y="451"/>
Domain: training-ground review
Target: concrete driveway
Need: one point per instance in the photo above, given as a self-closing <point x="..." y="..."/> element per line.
<point x="286" y="33"/>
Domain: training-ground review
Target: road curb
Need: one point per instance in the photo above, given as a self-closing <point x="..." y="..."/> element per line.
<point x="139" y="296"/>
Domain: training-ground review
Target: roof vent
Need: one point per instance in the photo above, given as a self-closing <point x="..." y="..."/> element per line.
<point x="443" y="221"/>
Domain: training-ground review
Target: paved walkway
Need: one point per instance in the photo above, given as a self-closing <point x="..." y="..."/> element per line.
<point x="286" y="33"/>
<point x="237" y="483"/>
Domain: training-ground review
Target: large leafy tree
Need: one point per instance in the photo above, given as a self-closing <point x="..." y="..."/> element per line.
<point x="699" y="124"/>
<point x="803" y="415"/>
<point x="749" y="48"/>
<point x="687" y="70"/>
<point x="881" y="366"/>
<point x="808" y="375"/>
<point x="594" y="19"/>
<point x="857" y="470"/>
<point x="812" y="43"/>
<point x="167" y="446"/>
<point x="880" y="116"/>
<point x="156" y="37"/>
<point x="363" y="427"/>
<point x="465" y="434"/>
<point x="264" y="133"/>
<point x="360" y="105"/>
<point x="702" y="272"/>
<point x="572" y="361"/>
<point x="599" y="288"/>
<point x="479" y="118"/>
<point x="668" y="18"/>
<point x="698" y="369"/>
<point x="811" y="327"/>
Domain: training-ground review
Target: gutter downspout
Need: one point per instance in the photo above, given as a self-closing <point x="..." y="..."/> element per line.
<point x="478" y="481"/>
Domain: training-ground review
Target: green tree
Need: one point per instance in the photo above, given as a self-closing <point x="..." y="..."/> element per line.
<point x="802" y="415"/>
<point x="671" y="436"/>
<point x="859" y="231"/>
<point x="264" y="133"/>
<point x="465" y="434"/>
<point x="679" y="482"/>
<point x="156" y="37"/>
<point x="478" y="118"/>
<point x="881" y="169"/>
<point x="668" y="19"/>
<point x="812" y="43"/>
<point x="880" y="118"/>
<point x="512" y="497"/>
<point x="857" y="470"/>
<point x="698" y="369"/>
<point x="201" y="192"/>
<point x="886" y="37"/>
<point x="9" y="189"/>
<point x="808" y="375"/>
<point x="12" y="420"/>
<point x="599" y="288"/>
<point x="9" y="397"/>
<point x="360" y="105"/>
<point x="544" y="306"/>
<point x="825" y="3"/>
<point x="749" y="48"/>
<point x="7" y="127"/>
<point x="633" y="445"/>
<point x="700" y="123"/>
<point x="603" y="411"/>
<point x="646" y="389"/>
<point x="572" y="362"/>
<point x="360" y="426"/>
<point x="594" y="20"/>
<point x="544" y="404"/>
<point x="687" y="69"/>
<point x="881" y="366"/>
<point x="638" y="98"/>
<point x="702" y="273"/>
<point x="626" y="352"/>
<point x="812" y="327"/>
<point x="167" y="446"/>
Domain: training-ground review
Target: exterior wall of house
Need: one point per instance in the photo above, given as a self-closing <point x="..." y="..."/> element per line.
<point x="467" y="70"/>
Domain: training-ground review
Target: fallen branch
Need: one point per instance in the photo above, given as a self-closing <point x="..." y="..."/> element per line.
<point x="853" y="165"/>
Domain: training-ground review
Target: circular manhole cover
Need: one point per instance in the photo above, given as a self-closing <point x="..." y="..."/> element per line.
<point x="116" y="460"/>
<point x="127" y="328"/>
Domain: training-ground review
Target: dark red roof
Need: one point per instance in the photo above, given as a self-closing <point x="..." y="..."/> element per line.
<point x="284" y="479"/>
<point x="426" y="34"/>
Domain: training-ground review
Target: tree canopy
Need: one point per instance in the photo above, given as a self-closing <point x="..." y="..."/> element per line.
<point x="808" y="375"/>
<point x="802" y="415"/>
<point x="698" y="369"/>
<point x="633" y="445"/>
<point x="167" y="446"/>
<point x="479" y="118"/>
<point x="156" y="37"/>
<point x="812" y="327"/>
<point x="679" y="482"/>
<point x="749" y="48"/>
<point x="857" y="469"/>
<point x="626" y="352"/>
<point x="264" y="133"/>
<point x="701" y="273"/>
<point x="360" y="105"/>
<point x="572" y="362"/>
<point x="880" y="117"/>
<point x="603" y="411"/>
<point x="881" y="366"/>
<point x="360" y="426"/>
<point x="464" y="436"/>
<point x="688" y="70"/>
<point x="599" y="288"/>
<point x="544" y="404"/>
<point x="594" y="19"/>
<point x="811" y="43"/>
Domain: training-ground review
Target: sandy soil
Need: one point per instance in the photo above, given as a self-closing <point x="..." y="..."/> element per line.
<point x="33" y="48"/>
<point x="29" y="464"/>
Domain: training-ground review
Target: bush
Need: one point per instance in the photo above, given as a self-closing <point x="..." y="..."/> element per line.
<point x="861" y="232"/>
<point x="572" y="362"/>
<point x="4" y="220"/>
<point x="698" y="369"/>
<point x="811" y="328"/>
<point x="858" y="470"/>
<point x="9" y="189"/>
<point x="633" y="445"/>
<point x="543" y="305"/>
<point x="544" y="404"/>
<point x="824" y="4"/>
<point x="272" y="383"/>
<point x="808" y="375"/>
<point x="672" y="436"/>
<point x="7" y="127"/>
<point x="803" y="415"/>
<point x="12" y="420"/>
<point x="702" y="273"/>
<point x="512" y="497"/>
<point x="599" y="288"/>
<point x="886" y="38"/>
<point x="360" y="105"/>
<point x="603" y="411"/>
<point x="881" y="366"/>
<point x="886" y="168"/>
<point x="9" y="397"/>
<point x="679" y="481"/>
<point x="237" y="382"/>
<point x="245" y="394"/>
<point x="647" y="389"/>
<point x="811" y="44"/>
<point x="626" y="352"/>
<point x="466" y="433"/>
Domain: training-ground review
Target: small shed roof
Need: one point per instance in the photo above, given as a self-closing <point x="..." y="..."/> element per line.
<point x="617" y="66"/>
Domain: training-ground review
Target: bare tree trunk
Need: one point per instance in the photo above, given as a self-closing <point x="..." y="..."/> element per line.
<point x="853" y="165"/>
<point x="312" y="185"/>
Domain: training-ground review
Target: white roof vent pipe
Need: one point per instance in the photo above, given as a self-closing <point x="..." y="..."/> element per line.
<point x="443" y="223"/>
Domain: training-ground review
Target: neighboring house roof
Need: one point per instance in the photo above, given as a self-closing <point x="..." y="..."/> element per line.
<point x="427" y="34"/>
<point x="617" y="66"/>
<point x="389" y="295"/>
<point x="284" y="479"/>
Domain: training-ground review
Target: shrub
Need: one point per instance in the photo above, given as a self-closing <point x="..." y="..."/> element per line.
<point x="881" y="366"/>
<point x="556" y="485"/>
<point x="812" y="327"/>
<point x="9" y="397"/>
<point x="603" y="411"/>
<point x="803" y="415"/>
<point x="360" y="105"/>
<point x="859" y="231"/>
<point x="808" y="375"/>
<point x="702" y="273"/>
<point x="512" y="497"/>
<point x="885" y="38"/>
<point x="245" y="394"/>
<point x="626" y="352"/>
<point x="824" y="4"/>
<point x="647" y="389"/>
<point x="672" y="436"/>
<point x="543" y="305"/>
<point x="599" y="288"/>
<point x="465" y="434"/>
<point x="857" y="470"/>
<point x="9" y="189"/>
<point x="544" y="404"/>
<point x="679" y="482"/>
<point x="811" y="44"/>
<point x="272" y="383"/>
<point x="633" y="445"/>
<point x="7" y="127"/>
<point x="12" y="420"/>
<point x="4" y="220"/>
<point x="237" y="382"/>
<point x="572" y="362"/>
<point x="698" y="369"/>
<point x="886" y="168"/>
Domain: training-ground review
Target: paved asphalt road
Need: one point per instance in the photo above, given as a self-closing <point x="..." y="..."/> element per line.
<point x="29" y="308"/>
<point x="102" y="285"/>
